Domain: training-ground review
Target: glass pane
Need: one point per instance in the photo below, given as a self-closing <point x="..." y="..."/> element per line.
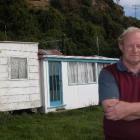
<point x="72" y="72"/>
<point x="91" y="72"/>
<point x="55" y="81"/>
<point x="82" y="73"/>
<point x="22" y="68"/>
<point x="14" y="68"/>
<point x="18" y="68"/>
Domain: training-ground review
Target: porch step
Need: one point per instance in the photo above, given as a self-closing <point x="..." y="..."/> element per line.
<point x="61" y="109"/>
<point x="56" y="108"/>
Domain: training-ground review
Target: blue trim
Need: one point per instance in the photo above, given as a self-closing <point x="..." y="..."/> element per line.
<point x="62" y="105"/>
<point x="79" y="60"/>
<point x="61" y="87"/>
<point x="55" y="103"/>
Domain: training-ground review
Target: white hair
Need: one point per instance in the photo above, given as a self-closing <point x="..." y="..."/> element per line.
<point x="125" y="32"/>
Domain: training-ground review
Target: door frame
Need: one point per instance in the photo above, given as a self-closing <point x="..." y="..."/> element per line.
<point x="59" y="102"/>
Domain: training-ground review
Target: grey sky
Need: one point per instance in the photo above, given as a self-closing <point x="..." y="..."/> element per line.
<point x="131" y="7"/>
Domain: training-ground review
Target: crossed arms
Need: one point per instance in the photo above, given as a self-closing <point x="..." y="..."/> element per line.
<point x="116" y="109"/>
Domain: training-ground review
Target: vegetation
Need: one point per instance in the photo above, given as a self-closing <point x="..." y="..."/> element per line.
<point x="81" y="124"/>
<point x="68" y="25"/>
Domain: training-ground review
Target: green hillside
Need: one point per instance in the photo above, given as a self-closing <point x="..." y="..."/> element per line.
<point x="76" y="27"/>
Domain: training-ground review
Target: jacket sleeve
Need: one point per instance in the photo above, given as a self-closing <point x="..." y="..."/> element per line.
<point x="108" y="88"/>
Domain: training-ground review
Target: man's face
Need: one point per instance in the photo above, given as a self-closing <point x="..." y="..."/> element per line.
<point x="131" y="48"/>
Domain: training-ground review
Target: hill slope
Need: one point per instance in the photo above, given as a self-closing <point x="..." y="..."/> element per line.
<point x="76" y="27"/>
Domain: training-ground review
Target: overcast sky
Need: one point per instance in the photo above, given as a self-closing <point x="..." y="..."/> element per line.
<point x="129" y="7"/>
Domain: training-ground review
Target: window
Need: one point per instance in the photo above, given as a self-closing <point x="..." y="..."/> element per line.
<point x="81" y="73"/>
<point x="18" y="68"/>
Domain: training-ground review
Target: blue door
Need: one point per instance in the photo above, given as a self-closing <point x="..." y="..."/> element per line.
<point x="55" y="83"/>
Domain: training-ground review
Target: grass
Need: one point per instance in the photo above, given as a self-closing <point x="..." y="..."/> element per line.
<point x="80" y="124"/>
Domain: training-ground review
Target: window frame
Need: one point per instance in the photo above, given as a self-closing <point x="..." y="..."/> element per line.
<point x="82" y="83"/>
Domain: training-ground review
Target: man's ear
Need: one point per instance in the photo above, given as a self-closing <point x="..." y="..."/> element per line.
<point x="121" y="47"/>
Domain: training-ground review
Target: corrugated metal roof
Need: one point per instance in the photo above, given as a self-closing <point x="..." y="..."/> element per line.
<point x="49" y="52"/>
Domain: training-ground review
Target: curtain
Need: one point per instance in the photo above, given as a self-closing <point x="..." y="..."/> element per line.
<point x="72" y="72"/>
<point x="22" y="68"/>
<point x="14" y="68"/>
<point x="91" y="72"/>
<point x="81" y="73"/>
<point x="18" y="68"/>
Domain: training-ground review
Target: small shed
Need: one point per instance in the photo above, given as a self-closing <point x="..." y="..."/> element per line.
<point x="70" y="82"/>
<point x="19" y="76"/>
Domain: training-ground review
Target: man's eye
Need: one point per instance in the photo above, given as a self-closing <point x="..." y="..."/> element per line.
<point x="129" y="46"/>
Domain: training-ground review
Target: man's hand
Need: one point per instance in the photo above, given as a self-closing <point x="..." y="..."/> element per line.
<point x="121" y="110"/>
<point x="108" y="103"/>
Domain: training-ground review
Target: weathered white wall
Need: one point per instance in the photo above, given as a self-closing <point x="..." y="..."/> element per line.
<point x="22" y="93"/>
<point x="77" y="96"/>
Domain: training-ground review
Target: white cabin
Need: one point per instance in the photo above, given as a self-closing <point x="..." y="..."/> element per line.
<point x="70" y="82"/>
<point x="19" y="76"/>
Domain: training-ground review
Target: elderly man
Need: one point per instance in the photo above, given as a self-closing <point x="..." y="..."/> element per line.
<point x="119" y="90"/>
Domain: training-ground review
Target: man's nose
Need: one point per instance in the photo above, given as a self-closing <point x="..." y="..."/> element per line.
<point x="136" y="48"/>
